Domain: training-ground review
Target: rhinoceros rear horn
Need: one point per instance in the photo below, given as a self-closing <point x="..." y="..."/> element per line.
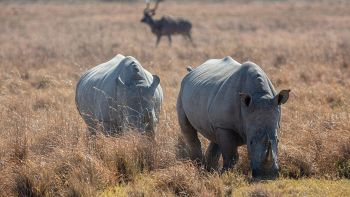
<point x="154" y="85"/>
<point x="282" y="97"/>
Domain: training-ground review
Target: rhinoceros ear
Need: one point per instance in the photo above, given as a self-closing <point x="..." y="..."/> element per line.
<point x="155" y="83"/>
<point x="246" y="99"/>
<point x="282" y="97"/>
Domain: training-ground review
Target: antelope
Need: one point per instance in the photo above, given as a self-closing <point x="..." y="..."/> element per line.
<point x="167" y="25"/>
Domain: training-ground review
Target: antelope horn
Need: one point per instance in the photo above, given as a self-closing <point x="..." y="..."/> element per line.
<point x="156" y="6"/>
<point x="148" y="3"/>
<point x="157" y="3"/>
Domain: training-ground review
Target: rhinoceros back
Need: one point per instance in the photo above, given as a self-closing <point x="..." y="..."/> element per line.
<point x="96" y="89"/>
<point x="200" y="88"/>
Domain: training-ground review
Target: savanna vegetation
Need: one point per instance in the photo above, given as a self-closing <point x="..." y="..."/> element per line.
<point x="45" y="47"/>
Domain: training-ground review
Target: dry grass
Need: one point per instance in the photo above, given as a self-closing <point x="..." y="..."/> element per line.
<point x="302" y="187"/>
<point x="44" y="149"/>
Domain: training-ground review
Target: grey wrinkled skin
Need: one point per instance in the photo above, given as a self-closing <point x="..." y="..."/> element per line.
<point x="118" y="95"/>
<point x="231" y="104"/>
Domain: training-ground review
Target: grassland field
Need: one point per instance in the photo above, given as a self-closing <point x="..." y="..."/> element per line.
<point x="45" y="47"/>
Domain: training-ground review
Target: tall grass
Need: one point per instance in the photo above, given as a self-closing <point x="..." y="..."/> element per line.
<point x="44" y="146"/>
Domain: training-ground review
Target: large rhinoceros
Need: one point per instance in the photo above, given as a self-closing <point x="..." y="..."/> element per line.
<point x="231" y="104"/>
<point x="119" y="94"/>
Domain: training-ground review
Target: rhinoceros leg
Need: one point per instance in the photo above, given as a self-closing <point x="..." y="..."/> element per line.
<point x="91" y="124"/>
<point x="108" y="127"/>
<point x="111" y="127"/>
<point x="212" y="156"/>
<point x="228" y="142"/>
<point x="192" y="140"/>
<point x="190" y="136"/>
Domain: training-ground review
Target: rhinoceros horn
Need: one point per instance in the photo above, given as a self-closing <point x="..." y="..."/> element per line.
<point x="269" y="152"/>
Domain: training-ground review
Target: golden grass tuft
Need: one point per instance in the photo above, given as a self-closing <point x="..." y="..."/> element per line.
<point x="301" y="187"/>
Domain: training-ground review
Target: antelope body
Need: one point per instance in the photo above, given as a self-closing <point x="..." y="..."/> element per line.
<point x="167" y="25"/>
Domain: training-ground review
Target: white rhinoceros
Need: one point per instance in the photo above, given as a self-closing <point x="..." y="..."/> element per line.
<point x="119" y="94"/>
<point x="231" y="104"/>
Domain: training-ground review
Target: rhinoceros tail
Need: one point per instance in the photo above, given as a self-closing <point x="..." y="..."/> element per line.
<point x="76" y="96"/>
<point x="189" y="68"/>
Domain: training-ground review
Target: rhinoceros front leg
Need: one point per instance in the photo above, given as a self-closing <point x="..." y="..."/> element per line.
<point x="228" y="142"/>
<point x="212" y="156"/>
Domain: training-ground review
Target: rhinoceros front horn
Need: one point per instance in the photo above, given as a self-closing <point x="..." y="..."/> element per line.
<point x="269" y="153"/>
<point x="154" y="85"/>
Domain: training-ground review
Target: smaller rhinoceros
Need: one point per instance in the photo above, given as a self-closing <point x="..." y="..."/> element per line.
<point x="231" y="104"/>
<point x="119" y="94"/>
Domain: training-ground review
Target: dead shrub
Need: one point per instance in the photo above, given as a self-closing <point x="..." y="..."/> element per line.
<point x="343" y="163"/>
<point x="295" y="164"/>
<point x="181" y="180"/>
<point x="43" y="103"/>
<point x="279" y="61"/>
<point x="139" y="150"/>
<point x="20" y="149"/>
<point x="261" y="192"/>
<point x="31" y="183"/>
<point x="43" y="83"/>
<point x="25" y="187"/>
<point x="335" y="101"/>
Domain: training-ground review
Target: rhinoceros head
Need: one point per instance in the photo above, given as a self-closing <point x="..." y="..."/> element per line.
<point x="139" y="109"/>
<point x="138" y="96"/>
<point x="261" y="116"/>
